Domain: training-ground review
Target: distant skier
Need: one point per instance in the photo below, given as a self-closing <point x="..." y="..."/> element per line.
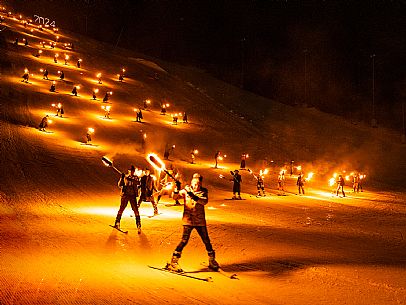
<point x="62" y="76"/>
<point x="45" y="75"/>
<point x="106" y="97"/>
<point x="185" y="117"/>
<point x="26" y="42"/>
<point x="59" y="110"/>
<point x="139" y="116"/>
<point x="340" y="185"/>
<point x="361" y="181"/>
<point x="75" y="91"/>
<point x="163" y="109"/>
<point x="26" y="76"/>
<point x="44" y="123"/>
<point x="107" y="112"/>
<point x="175" y="120"/>
<point x="195" y="197"/>
<point x="300" y="183"/>
<point x="260" y="183"/>
<point x="16" y="42"/>
<point x="168" y="151"/>
<point x="56" y="58"/>
<point x="121" y="77"/>
<point x="216" y="158"/>
<point x="88" y="137"/>
<point x="243" y="158"/>
<point x="237" y="180"/>
<point x="147" y="190"/>
<point x="281" y="181"/>
<point x="193" y="156"/>
<point x="355" y="185"/>
<point x="78" y="63"/>
<point x="129" y="191"/>
<point x="53" y="87"/>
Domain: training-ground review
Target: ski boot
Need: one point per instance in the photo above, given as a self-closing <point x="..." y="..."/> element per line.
<point x="117" y="224"/>
<point x="155" y="211"/>
<point x="213" y="264"/>
<point x="138" y="223"/>
<point x="174" y="264"/>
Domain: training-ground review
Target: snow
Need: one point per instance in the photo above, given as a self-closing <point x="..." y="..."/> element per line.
<point x="57" y="198"/>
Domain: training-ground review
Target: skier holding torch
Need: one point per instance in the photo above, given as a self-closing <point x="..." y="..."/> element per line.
<point x="129" y="191"/>
<point x="195" y="198"/>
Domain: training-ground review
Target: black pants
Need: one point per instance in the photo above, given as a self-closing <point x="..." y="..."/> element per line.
<point x="123" y="205"/>
<point x="236" y="188"/>
<point x="204" y="235"/>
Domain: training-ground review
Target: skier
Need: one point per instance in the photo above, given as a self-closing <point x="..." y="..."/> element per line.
<point x="193" y="156"/>
<point x="355" y="185"/>
<point x="129" y="191"/>
<point x="361" y="180"/>
<point x="185" y="117"/>
<point x="195" y="197"/>
<point x="166" y="152"/>
<point x="147" y="190"/>
<point x="243" y="158"/>
<point x="25" y="76"/>
<point x="163" y="109"/>
<point x="44" y="123"/>
<point x="107" y="111"/>
<point x="106" y="97"/>
<point x="281" y="181"/>
<point x="53" y="87"/>
<point x="45" y="75"/>
<point x="62" y="76"/>
<point x="237" y="179"/>
<point x="75" y="91"/>
<point x="340" y="184"/>
<point x="16" y="42"/>
<point x="175" y="119"/>
<point x="26" y="42"/>
<point x="59" y="110"/>
<point x="216" y="157"/>
<point x="300" y="183"/>
<point x="88" y="137"/>
<point x="56" y="58"/>
<point x="120" y="77"/>
<point x="78" y="63"/>
<point x="139" y="115"/>
<point x="260" y="183"/>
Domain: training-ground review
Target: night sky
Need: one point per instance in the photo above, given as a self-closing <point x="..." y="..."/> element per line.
<point x="262" y="45"/>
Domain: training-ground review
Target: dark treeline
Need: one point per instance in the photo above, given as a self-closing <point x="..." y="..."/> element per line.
<point x="297" y="52"/>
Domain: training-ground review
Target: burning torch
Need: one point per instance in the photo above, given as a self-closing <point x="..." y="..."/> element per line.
<point x="109" y="163"/>
<point x="159" y="165"/>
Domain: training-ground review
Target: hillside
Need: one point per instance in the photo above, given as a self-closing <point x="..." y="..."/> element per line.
<point x="57" y="198"/>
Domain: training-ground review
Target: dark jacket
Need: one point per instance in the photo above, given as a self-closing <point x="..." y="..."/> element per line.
<point x="129" y="185"/>
<point x="194" y="202"/>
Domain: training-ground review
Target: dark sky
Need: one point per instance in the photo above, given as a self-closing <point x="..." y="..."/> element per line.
<point x="261" y="44"/>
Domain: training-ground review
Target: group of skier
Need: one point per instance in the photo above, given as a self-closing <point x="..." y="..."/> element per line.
<point x="133" y="186"/>
<point x="194" y="197"/>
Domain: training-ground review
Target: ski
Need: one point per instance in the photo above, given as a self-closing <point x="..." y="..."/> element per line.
<point x="155" y="215"/>
<point x="125" y="232"/>
<point x="232" y="276"/>
<point x="204" y="279"/>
